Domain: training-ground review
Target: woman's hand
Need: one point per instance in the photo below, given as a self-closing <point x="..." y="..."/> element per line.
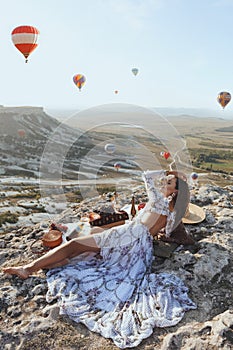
<point x="179" y="174"/>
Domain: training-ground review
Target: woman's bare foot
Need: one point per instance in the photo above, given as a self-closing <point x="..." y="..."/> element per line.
<point x="20" y="271"/>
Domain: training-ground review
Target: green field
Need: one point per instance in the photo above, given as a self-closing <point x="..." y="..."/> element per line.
<point x="209" y="141"/>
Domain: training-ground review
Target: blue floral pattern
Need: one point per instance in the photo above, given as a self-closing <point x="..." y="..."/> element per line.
<point x="116" y="294"/>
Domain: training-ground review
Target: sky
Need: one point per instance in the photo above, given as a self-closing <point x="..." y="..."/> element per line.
<point x="182" y="48"/>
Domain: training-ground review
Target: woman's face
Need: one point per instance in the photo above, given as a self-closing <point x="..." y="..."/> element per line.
<point x="169" y="185"/>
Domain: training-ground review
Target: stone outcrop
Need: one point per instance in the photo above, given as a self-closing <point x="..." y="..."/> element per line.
<point x="28" y="322"/>
<point x="28" y="132"/>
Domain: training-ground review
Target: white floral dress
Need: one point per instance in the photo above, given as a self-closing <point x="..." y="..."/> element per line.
<point x="117" y="295"/>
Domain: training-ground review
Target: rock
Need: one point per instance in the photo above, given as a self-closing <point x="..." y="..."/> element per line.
<point x="28" y="322"/>
<point x="211" y="259"/>
<point x="210" y="219"/>
<point x="3" y="257"/>
<point x="39" y="289"/>
<point x="2" y="243"/>
<point x="14" y="311"/>
<point x="164" y="249"/>
<point x="52" y="311"/>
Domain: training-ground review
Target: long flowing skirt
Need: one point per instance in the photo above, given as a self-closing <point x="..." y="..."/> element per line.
<point x="117" y="295"/>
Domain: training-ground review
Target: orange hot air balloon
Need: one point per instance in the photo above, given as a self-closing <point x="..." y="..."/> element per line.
<point x="25" y="39"/>
<point x="21" y="132"/>
<point x="224" y="98"/>
<point x="79" y="80"/>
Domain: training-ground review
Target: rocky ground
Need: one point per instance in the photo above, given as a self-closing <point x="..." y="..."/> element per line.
<point x="28" y="322"/>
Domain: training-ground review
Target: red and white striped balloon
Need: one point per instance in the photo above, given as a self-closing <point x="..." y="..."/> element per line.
<point x="25" y="39"/>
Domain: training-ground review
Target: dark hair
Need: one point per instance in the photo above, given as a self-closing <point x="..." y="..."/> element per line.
<point x="181" y="201"/>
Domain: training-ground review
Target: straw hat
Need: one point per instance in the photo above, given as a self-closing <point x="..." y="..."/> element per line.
<point x="194" y="214"/>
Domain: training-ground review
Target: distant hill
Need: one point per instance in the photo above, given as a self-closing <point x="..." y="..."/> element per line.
<point x="26" y="133"/>
<point x="62" y="114"/>
<point x="195" y="112"/>
<point x="227" y="129"/>
<point x="32" y="120"/>
<point x="33" y="143"/>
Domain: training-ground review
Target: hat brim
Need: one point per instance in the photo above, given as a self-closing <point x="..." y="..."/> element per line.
<point x="194" y="214"/>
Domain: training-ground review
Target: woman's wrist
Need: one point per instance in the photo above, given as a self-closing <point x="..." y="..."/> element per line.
<point x="154" y="173"/>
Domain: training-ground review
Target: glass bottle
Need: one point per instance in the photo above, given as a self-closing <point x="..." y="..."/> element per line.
<point x="133" y="211"/>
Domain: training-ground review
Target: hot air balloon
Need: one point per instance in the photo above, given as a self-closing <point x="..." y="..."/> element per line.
<point x="117" y="166"/>
<point x="25" y="39"/>
<point x="21" y="132"/>
<point x="194" y="176"/>
<point x="116" y="92"/>
<point x="224" y="98"/>
<point x="135" y="71"/>
<point x="110" y="148"/>
<point x="79" y="80"/>
<point x="194" y="180"/>
<point x="165" y="155"/>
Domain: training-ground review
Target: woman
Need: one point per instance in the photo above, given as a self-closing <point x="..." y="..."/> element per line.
<point x="112" y="291"/>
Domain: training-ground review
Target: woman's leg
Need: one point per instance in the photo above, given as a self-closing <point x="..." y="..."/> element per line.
<point x="56" y="257"/>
